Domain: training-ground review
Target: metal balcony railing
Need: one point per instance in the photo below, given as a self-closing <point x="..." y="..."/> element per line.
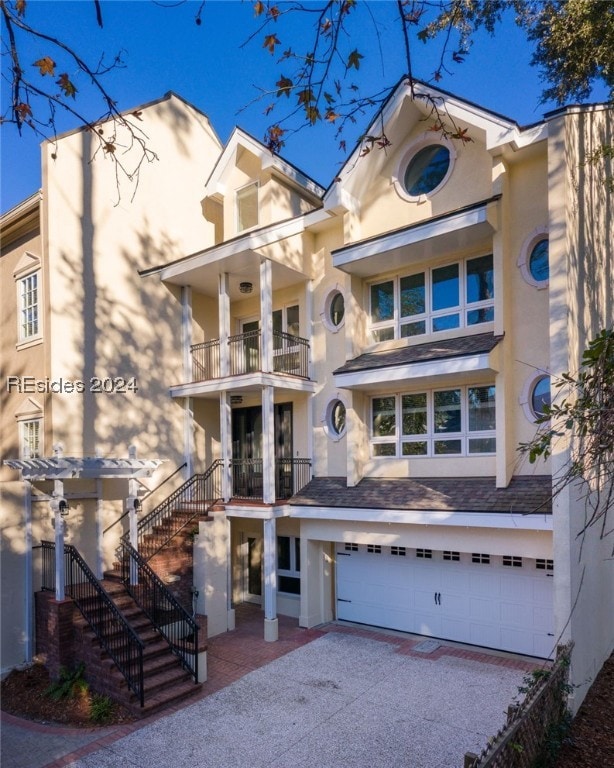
<point x="244" y="350"/>
<point x="291" y="475"/>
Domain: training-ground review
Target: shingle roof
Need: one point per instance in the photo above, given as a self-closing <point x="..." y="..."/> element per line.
<point x="524" y="495"/>
<point x="418" y="353"/>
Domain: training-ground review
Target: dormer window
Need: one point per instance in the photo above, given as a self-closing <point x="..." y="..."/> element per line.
<point x="247" y="207"/>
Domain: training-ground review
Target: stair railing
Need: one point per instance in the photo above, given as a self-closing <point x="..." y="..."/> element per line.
<point x="109" y="625"/>
<point x="199" y="494"/>
<point x="161" y="607"/>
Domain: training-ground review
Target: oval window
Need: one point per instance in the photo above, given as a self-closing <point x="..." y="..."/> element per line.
<point x="538" y="261"/>
<point x="337" y="417"/>
<point x="426" y="170"/>
<point x="336" y="310"/>
<point x="540" y="396"/>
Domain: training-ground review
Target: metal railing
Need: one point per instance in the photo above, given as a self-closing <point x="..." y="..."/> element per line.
<point x="195" y="497"/>
<point x="109" y="625"/>
<point x="291" y="475"/>
<point x="290" y="355"/>
<point x="161" y="607"/>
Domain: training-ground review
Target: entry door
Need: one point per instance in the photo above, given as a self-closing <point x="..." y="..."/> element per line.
<point x="252" y="569"/>
<point x="251" y="346"/>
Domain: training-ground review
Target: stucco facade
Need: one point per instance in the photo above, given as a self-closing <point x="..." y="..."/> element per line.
<point x="361" y="363"/>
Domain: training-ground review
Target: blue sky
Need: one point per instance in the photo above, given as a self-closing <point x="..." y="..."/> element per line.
<point x="164" y="50"/>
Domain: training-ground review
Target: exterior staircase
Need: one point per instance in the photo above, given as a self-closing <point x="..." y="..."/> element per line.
<point x="165" y="679"/>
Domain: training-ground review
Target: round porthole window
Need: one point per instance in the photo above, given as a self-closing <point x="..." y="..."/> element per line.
<point x="333" y="311"/>
<point x="538" y="261"/>
<point x="426" y="170"/>
<point x="540" y="396"/>
<point x="334" y="419"/>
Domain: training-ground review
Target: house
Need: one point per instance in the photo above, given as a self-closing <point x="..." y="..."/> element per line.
<point x="346" y="372"/>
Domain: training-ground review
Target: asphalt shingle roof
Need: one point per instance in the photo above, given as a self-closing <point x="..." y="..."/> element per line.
<point x="525" y="494"/>
<point x="418" y="353"/>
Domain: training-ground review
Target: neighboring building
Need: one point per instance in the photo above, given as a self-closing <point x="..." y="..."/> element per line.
<point x="357" y="365"/>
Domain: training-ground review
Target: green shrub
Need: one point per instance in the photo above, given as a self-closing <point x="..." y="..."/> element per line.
<point x="69" y="685"/>
<point x="101" y="709"/>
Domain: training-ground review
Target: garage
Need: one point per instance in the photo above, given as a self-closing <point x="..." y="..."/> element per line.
<point x="502" y="602"/>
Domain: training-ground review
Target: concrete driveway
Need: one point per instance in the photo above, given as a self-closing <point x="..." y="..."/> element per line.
<point x="342" y="700"/>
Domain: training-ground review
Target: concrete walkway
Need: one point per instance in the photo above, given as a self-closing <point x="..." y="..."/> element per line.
<point x="333" y="697"/>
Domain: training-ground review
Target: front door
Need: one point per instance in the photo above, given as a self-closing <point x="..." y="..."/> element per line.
<point x="252" y="569"/>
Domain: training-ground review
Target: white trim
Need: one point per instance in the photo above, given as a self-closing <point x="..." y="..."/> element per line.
<point x="409" y="151"/>
<point x="243" y="381"/>
<point x="326" y="307"/>
<point x="526" y="395"/>
<point x="327" y="416"/>
<point x="391" y="373"/>
<point x="524" y="259"/>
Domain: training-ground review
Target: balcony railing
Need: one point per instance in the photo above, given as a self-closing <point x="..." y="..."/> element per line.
<point x="291" y="475"/>
<point x="290" y="355"/>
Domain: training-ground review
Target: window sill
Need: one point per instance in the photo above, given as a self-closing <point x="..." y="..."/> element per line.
<point x="34" y="341"/>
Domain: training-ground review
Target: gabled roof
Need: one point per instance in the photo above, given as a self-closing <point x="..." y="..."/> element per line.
<point x="240" y="138"/>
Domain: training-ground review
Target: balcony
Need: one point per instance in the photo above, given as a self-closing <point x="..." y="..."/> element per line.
<point x="244" y="351"/>
<point x="291" y="475"/>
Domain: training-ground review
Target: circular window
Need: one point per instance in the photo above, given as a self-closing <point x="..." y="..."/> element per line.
<point x="540" y="396"/>
<point x="333" y="311"/>
<point x="538" y="261"/>
<point x="334" y="419"/>
<point x="426" y="170"/>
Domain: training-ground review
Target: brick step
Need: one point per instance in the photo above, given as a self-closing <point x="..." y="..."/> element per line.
<point x="165" y="698"/>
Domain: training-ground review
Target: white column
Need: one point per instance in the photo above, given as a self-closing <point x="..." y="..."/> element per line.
<point x="60" y="576"/>
<point x="28" y="623"/>
<point x="133" y="488"/>
<point x="188" y="437"/>
<point x="226" y="441"/>
<point x="186" y="331"/>
<point x="271" y="629"/>
<point x="266" y="315"/>
<point x="268" y="445"/>
<point x="230" y="585"/>
<point x="309" y="323"/>
<point x="224" y="322"/>
<point x="99" y="531"/>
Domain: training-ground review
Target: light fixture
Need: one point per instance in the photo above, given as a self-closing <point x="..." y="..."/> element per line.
<point x="246" y="287"/>
<point x="63" y="507"/>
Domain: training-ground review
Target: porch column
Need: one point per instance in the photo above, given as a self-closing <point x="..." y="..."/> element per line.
<point x="99" y="531"/>
<point x="57" y="507"/>
<point x="186" y="331"/>
<point x="224" y="322"/>
<point x="226" y="440"/>
<point x="188" y="437"/>
<point x="271" y="629"/>
<point x="266" y="315"/>
<point x="132" y="502"/>
<point x="268" y="446"/>
<point x="28" y="623"/>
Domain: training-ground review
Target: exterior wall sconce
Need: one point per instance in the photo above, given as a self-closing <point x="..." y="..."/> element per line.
<point x="246" y="287"/>
<point x="63" y="508"/>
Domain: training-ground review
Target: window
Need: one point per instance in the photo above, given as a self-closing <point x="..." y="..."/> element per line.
<point x="247" y="207"/>
<point x="540" y="396"/>
<point x="534" y="258"/>
<point x="30" y="438"/>
<point x="351" y="547"/>
<point x="544" y="565"/>
<point x="458" y="421"/>
<point x="426" y="170"/>
<point x="289" y="565"/>
<point x="427" y="554"/>
<point x="512" y="561"/>
<point x="29" y="307"/>
<point x="453" y="296"/>
<point x="478" y="557"/>
<point x="450" y="555"/>
<point x="374" y="549"/>
<point x="398" y="551"/>
<point x="334" y="419"/>
<point x="285" y="320"/>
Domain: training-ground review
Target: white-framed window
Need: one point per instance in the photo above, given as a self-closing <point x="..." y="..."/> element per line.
<point x="289" y="565"/>
<point x="246" y="204"/>
<point x="534" y="258"/>
<point x="423" y="167"/>
<point x="536" y="395"/>
<point x="333" y="312"/>
<point x="29" y="306"/>
<point x="458" y="421"/>
<point x="30" y="438"/>
<point x="334" y="418"/>
<point x="456" y="295"/>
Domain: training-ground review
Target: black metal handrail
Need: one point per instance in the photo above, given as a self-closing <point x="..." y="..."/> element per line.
<point x="194" y="498"/>
<point x="245" y="352"/>
<point x="147" y="495"/>
<point x="291" y="475"/>
<point x="108" y="623"/>
<point x="205" y="360"/>
<point x="290" y="354"/>
<point x="161" y="607"/>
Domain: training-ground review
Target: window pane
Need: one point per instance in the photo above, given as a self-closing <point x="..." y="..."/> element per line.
<point x="481" y="409"/>
<point x="297" y="554"/>
<point x="427" y="169"/>
<point x="448" y="411"/>
<point x="445" y="287"/>
<point x="247" y="207"/>
<point x="337" y="309"/>
<point x="413" y="297"/>
<point x="277" y="329"/>
<point x="384" y="449"/>
<point x="289" y="584"/>
<point x="384" y="416"/>
<point x="538" y="261"/>
<point x="540" y="398"/>
<point x="482" y="445"/>
<point x="480" y="284"/>
<point x="283" y="553"/>
<point x="413" y="329"/>
<point x="446" y="322"/>
<point x="414" y="414"/>
<point x="484" y="315"/>
<point x="337" y="417"/>
<point x="447" y="447"/>
<point x="382" y="302"/>
<point x="418" y="448"/>
<point x="292" y="324"/>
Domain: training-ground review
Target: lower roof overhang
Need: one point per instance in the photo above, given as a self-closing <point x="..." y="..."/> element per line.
<point x="252" y="382"/>
<point x="468" y="228"/>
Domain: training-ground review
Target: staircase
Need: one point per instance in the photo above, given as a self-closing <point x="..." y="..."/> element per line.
<point x="165" y="679"/>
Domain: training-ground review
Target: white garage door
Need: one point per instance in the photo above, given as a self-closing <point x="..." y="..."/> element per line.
<point x="477" y="598"/>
